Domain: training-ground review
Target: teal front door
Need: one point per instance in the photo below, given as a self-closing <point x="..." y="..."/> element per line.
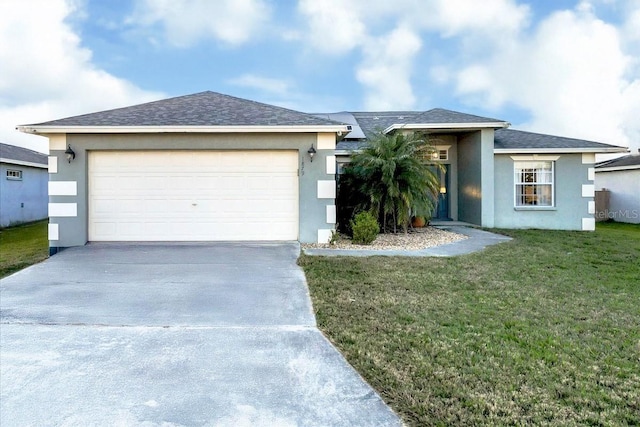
<point x="442" y="210"/>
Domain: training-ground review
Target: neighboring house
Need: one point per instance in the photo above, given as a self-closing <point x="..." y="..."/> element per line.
<point x="209" y="166"/>
<point x="23" y="185"/>
<point x="621" y="177"/>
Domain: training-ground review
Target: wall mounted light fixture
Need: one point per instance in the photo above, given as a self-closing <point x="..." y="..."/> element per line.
<point x="70" y="154"/>
<point x="312" y="152"/>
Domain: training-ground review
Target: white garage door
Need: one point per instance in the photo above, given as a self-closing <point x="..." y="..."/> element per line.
<point x="193" y="195"/>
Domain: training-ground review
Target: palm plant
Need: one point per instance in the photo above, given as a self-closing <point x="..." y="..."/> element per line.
<point x="397" y="176"/>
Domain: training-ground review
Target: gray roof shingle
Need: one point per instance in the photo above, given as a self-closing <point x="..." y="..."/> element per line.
<point x="351" y="145"/>
<point x="511" y="139"/>
<point x="216" y="109"/>
<point x="624" y="161"/>
<point x="11" y="152"/>
<point x="440" y="115"/>
<point x="199" y="109"/>
<point x="349" y="119"/>
<point x="374" y="122"/>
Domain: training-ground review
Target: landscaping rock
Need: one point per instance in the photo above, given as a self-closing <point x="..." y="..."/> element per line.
<point x="416" y="239"/>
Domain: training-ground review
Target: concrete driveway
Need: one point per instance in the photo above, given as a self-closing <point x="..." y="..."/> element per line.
<point x="172" y="335"/>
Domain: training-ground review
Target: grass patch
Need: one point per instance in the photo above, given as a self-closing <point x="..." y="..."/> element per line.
<point x="22" y="246"/>
<point x="542" y="330"/>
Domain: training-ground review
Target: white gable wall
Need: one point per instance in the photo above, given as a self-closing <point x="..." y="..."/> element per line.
<point x="624" y="188"/>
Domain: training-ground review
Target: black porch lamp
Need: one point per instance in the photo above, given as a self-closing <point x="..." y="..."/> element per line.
<point x="312" y="152"/>
<point x="70" y="154"/>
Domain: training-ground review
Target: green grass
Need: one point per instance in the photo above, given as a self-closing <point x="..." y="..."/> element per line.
<point x="22" y="246"/>
<point x="542" y="330"/>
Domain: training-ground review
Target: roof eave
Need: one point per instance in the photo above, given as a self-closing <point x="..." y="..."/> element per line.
<point x="345" y="152"/>
<point x="447" y="126"/>
<point x="23" y="163"/>
<point x="612" y="149"/>
<point x="183" y="129"/>
<point x="617" y="168"/>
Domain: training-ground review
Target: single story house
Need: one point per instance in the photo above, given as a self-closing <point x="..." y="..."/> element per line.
<point x="621" y="178"/>
<point x="210" y="166"/>
<point x="23" y="185"/>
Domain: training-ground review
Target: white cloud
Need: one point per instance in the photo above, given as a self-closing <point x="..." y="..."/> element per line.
<point x="48" y="74"/>
<point x="632" y="24"/>
<point x="386" y="70"/>
<point x="266" y="84"/>
<point x="335" y="26"/>
<point x="186" y="22"/>
<point x="388" y="36"/>
<point x="494" y="19"/>
<point x="570" y="75"/>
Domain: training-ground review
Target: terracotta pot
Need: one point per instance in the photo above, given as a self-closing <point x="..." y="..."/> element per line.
<point x="418" y="222"/>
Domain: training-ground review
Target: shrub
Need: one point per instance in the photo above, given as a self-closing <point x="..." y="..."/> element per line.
<point x="365" y="228"/>
<point x="335" y="236"/>
<point x="395" y="177"/>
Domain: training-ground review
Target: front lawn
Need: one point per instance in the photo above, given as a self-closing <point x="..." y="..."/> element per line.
<point x="22" y="246"/>
<point x="542" y="330"/>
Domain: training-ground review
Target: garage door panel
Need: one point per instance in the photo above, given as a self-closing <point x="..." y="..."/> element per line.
<point x="104" y="229"/>
<point x="106" y="184"/>
<point x="183" y="195"/>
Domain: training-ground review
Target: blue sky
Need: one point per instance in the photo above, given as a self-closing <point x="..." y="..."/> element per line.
<point x="554" y="66"/>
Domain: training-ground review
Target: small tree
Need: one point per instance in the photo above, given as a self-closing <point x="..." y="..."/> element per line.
<point x="394" y="172"/>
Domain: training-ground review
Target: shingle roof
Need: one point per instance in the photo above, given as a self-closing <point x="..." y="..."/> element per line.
<point x="624" y="161"/>
<point x="351" y="145"/>
<point x="199" y="109"/>
<point x="211" y="109"/>
<point x="374" y="122"/>
<point x="19" y="154"/>
<point x="440" y="115"/>
<point x="349" y="119"/>
<point x="511" y="139"/>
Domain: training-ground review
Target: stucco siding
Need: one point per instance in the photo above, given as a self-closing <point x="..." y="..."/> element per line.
<point x="470" y="178"/>
<point x="73" y="231"/>
<point x="22" y="200"/>
<point x="571" y="204"/>
<point x="487" y="177"/>
<point x="624" y="194"/>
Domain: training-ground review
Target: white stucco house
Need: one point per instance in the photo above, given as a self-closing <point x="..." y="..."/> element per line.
<point x="621" y="177"/>
<point x="23" y="185"/>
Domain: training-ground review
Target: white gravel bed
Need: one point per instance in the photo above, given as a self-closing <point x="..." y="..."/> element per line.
<point x="416" y="239"/>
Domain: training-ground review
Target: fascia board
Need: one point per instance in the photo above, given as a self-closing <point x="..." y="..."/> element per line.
<point x="617" y="168"/>
<point x="613" y="149"/>
<point x="181" y="129"/>
<point x="447" y="126"/>
<point x="23" y="163"/>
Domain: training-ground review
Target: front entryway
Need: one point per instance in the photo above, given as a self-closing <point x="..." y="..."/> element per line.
<point x="442" y="209"/>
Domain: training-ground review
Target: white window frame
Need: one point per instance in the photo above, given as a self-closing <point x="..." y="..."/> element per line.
<point x="529" y="164"/>
<point x="439" y="151"/>
<point x="14" y="174"/>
